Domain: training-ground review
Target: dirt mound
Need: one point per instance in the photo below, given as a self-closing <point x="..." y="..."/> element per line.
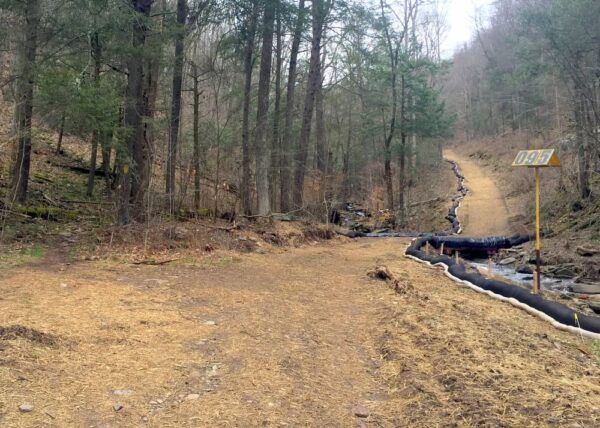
<point x="14" y="332"/>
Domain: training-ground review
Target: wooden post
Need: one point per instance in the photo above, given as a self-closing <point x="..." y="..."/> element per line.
<point x="456" y="256"/>
<point x="490" y="273"/>
<point x="427" y="248"/>
<point x="442" y="249"/>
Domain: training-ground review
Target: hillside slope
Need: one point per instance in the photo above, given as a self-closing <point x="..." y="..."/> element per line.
<point x="571" y="226"/>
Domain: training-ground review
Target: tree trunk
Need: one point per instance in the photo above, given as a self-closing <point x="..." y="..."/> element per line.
<point x="96" y="54"/>
<point x="582" y="146"/>
<point x="61" y="133"/>
<point x="346" y="161"/>
<point x="24" y="109"/>
<point x="260" y="134"/>
<point x="134" y="107"/>
<point x="276" y="142"/>
<point x="314" y="76"/>
<point x="248" y="51"/>
<point x="285" y="174"/>
<point x="143" y="151"/>
<point x="143" y="146"/>
<point x="402" y="155"/>
<point x="321" y="141"/>
<point x="393" y="55"/>
<point x="105" y="143"/>
<point x="93" y="157"/>
<point x="196" y="120"/>
<point x="387" y="178"/>
<point x="175" y="104"/>
<point x="387" y="159"/>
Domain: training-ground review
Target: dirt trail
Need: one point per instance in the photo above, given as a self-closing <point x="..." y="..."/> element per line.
<point x="294" y="337"/>
<point x="483" y="212"/>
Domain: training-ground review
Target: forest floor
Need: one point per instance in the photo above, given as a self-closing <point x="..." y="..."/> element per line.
<point x="290" y="337"/>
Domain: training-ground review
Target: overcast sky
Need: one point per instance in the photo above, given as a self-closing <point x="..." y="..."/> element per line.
<point x="460" y="15"/>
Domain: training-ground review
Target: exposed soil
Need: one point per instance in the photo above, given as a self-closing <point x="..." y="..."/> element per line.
<point x="203" y="324"/>
<point x="14" y="332"/>
<point x="483" y="212"/>
<point x="292" y="337"/>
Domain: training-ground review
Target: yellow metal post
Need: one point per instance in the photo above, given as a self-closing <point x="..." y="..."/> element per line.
<point x="538" y="239"/>
<point x="536" y="159"/>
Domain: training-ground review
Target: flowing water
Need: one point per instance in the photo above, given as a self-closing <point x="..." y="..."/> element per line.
<point x="555" y="285"/>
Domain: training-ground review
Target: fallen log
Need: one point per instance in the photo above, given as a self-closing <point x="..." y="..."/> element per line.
<point x="152" y="262"/>
<point x="83" y="170"/>
<point x="429" y="201"/>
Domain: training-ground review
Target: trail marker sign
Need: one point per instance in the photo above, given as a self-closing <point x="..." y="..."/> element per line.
<point x="533" y="158"/>
<point x="537" y="159"/>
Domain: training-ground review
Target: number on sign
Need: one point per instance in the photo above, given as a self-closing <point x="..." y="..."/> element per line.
<point x="520" y="160"/>
<point x="531" y="158"/>
<point x="545" y="157"/>
<point x="535" y="158"/>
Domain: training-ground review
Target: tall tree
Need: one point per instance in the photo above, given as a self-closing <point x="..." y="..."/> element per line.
<point x="176" y="103"/>
<point x="264" y="86"/>
<point x="318" y="11"/>
<point x="195" y="75"/>
<point x="249" y="32"/>
<point x="144" y="146"/>
<point x="249" y="39"/>
<point x="24" y="108"/>
<point x="134" y="107"/>
<point x="393" y="52"/>
<point x="409" y="42"/>
<point x="321" y="135"/>
<point x="96" y="55"/>
<point x="286" y="167"/>
<point x="276" y="150"/>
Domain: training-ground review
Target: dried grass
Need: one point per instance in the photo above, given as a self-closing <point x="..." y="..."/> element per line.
<point x="292" y="337"/>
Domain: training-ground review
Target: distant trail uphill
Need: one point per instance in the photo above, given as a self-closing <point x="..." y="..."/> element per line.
<point x="483" y="212"/>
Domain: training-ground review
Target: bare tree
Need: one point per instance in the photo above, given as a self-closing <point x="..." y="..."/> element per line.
<point x="176" y="103"/>
<point x="393" y="50"/>
<point x="249" y="34"/>
<point x="196" y="92"/>
<point x="286" y="176"/>
<point x="264" y="86"/>
<point x="320" y="137"/>
<point x="319" y="11"/>
<point x="276" y="149"/>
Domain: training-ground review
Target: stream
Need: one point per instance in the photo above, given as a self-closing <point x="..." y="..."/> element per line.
<point x="555" y="285"/>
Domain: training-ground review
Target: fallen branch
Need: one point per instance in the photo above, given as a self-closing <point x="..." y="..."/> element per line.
<point x="41" y="178"/>
<point x="66" y="201"/>
<point x="82" y="169"/>
<point x="348" y="233"/>
<point x="49" y="199"/>
<point x="226" y="229"/>
<point x="16" y="214"/>
<point x="415" y="204"/>
<point x="153" y="262"/>
<point x="283" y="216"/>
